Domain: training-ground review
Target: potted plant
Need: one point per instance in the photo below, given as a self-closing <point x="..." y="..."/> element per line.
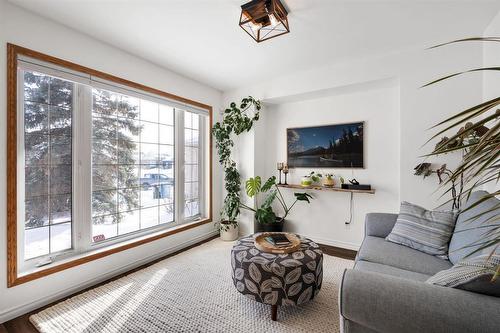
<point x="237" y="119"/>
<point x="329" y="180"/>
<point x="310" y="179"/>
<point x="479" y="164"/>
<point x="266" y="219"/>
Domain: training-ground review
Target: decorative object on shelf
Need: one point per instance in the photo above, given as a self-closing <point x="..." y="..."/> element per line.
<point x="264" y="245"/>
<point x="280" y="167"/>
<point x="329" y="180"/>
<point x="306" y="181"/>
<point x="479" y="165"/>
<point x="356" y="186"/>
<point x="310" y="179"/>
<point x="285" y="171"/>
<point x="236" y="120"/>
<point x="265" y="218"/>
<point x="330" y="146"/>
<point x="353" y="181"/>
<point x="264" y="19"/>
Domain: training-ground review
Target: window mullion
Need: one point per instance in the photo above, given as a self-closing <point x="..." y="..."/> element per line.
<point x="21" y="216"/>
<point x="83" y="169"/>
<point x="202" y="167"/>
<point x="179" y="166"/>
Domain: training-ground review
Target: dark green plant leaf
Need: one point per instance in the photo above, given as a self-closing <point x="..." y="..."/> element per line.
<point x="303" y="196"/>
<point x="269" y="199"/>
<point x="265" y="215"/>
<point x="268" y="184"/>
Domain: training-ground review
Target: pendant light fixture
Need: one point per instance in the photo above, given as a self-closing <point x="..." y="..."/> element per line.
<point x="264" y="19"/>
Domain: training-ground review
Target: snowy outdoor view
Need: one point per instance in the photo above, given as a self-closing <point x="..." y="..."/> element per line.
<point x="132" y="164"/>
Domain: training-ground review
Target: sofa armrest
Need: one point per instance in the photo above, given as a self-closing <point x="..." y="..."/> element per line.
<point x="389" y="304"/>
<point x="379" y="224"/>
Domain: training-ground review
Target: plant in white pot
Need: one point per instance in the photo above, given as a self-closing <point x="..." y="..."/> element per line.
<point x="237" y="119"/>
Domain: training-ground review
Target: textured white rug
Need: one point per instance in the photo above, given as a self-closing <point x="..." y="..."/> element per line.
<point x="190" y="292"/>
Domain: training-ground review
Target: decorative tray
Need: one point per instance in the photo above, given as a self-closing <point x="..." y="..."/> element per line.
<point x="262" y="244"/>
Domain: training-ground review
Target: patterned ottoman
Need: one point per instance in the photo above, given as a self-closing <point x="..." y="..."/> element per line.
<point x="277" y="279"/>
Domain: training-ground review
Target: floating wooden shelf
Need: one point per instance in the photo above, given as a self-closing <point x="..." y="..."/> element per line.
<point x="323" y="188"/>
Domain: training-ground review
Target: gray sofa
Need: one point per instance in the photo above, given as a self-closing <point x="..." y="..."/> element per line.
<point x="386" y="291"/>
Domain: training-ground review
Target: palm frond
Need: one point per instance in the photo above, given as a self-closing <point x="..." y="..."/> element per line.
<point x="491" y="103"/>
<point x="461" y="73"/>
<point x="470" y="39"/>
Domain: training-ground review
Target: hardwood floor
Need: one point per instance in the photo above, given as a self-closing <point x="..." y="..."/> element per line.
<point x="22" y="324"/>
<point x="338" y="252"/>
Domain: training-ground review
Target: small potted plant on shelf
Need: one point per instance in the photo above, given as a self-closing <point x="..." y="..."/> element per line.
<point x="329" y="180"/>
<point x="266" y="219"/>
<point x="310" y="179"/>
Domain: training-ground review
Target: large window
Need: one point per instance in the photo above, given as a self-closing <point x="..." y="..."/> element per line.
<point x="101" y="163"/>
<point x="132" y="164"/>
<point x="47" y="104"/>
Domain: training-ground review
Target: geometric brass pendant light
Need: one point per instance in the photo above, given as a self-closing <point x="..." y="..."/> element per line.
<point x="264" y="19"/>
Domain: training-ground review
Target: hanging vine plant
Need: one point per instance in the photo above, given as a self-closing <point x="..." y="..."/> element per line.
<point x="237" y="119"/>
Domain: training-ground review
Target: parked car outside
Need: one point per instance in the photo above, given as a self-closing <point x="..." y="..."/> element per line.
<point x="154" y="179"/>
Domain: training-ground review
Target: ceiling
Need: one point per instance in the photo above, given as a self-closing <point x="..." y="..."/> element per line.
<point x="201" y="39"/>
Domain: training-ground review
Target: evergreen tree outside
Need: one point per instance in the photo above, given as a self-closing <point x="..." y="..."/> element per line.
<point x="48" y="108"/>
<point x="115" y="149"/>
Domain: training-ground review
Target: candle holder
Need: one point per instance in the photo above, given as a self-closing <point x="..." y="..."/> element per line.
<point x="285" y="171"/>
<point x="280" y="167"/>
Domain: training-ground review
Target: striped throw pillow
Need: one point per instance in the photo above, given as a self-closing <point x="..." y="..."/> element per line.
<point x="474" y="274"/>
<point x="423" y="230"/>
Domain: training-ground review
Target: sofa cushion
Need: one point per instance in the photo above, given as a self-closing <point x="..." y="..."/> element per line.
<point x="378" y="250"/>
<point x="467" y="230"/>
<point x="473" y="275"/>
<point x="390" y="270"/>
<point x="423" y="230"/>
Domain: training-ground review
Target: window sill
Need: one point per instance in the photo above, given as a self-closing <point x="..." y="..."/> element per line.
<point x="83" y="258"/>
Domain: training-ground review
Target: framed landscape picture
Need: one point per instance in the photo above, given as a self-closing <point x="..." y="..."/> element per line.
<point x="329" y="146"/>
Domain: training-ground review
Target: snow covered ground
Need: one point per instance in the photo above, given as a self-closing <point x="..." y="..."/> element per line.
<point x="41" y="241"/>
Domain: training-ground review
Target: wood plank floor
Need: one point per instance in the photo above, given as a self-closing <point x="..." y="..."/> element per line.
<point x="22" y="324"/>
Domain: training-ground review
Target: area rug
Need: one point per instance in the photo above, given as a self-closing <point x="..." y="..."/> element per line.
<point x="190" y="292"/>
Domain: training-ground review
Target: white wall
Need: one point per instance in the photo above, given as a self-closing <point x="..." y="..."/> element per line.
<point x="25" y="29"/>
<point x="491" y="79"/>
<point x="323" y="220"/>
<point x="418" y="109"/>
<point x="491" y="57"/>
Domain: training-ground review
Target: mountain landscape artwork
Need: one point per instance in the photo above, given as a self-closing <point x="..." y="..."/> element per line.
<point x="330" y="146"/>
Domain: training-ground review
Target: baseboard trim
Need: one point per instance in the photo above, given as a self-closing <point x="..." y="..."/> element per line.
<point x="343" y="245"/>
<point x="28" y="307"/>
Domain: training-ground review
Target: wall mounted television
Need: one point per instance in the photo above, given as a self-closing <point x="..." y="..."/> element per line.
<point x="326" y="146"/>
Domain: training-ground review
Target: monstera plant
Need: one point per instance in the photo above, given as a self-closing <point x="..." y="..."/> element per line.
<point x="478" y="136"/>
<point x="264" y="213"/>
<point x="237" y="119"/>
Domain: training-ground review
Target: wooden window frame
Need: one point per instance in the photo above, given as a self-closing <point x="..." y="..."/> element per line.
<point x="13" y="279"/>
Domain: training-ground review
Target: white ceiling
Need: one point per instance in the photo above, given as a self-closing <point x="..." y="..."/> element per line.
<point x="201" y="39"/>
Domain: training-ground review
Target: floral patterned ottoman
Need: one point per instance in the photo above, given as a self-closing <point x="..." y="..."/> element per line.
<point x="277" y="279"/>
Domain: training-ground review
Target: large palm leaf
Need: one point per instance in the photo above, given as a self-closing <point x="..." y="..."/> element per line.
<point x="481" y="163"/>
